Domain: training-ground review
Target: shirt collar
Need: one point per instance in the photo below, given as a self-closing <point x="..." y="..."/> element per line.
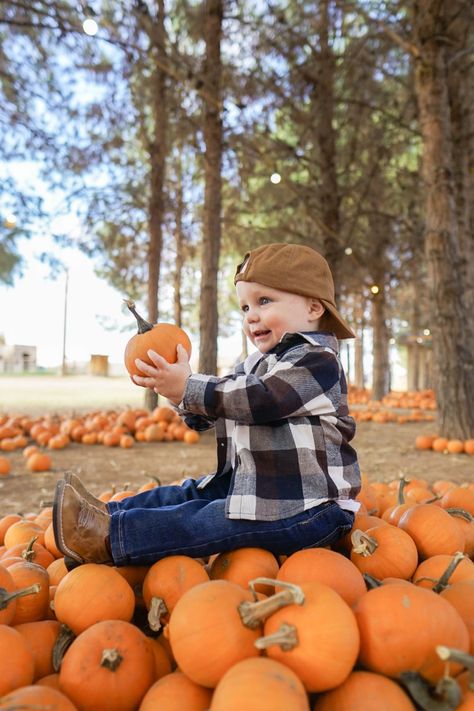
<point x="315" y="338"/>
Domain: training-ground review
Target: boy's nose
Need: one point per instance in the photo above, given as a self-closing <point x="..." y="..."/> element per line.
<point x="252" y="315"/>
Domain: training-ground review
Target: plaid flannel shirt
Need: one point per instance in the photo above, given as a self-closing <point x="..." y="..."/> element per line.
<point x="282" y="429"/>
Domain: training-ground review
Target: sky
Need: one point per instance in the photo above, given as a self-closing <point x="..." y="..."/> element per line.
<point x="32" y="312"/>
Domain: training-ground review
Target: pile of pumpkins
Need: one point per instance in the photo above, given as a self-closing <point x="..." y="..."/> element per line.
<point x="37" y="437"/>
<point x="444" y="445"/>
<point x="387" y="409"/>
<point x="404" y="399"/>
<point x="383" y="619"/>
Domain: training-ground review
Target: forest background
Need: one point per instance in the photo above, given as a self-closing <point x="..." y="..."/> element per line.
<point x="161" y="122"/>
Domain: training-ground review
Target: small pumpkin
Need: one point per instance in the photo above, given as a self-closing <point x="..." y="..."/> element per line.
<point x="166" y="582"/>
<point x="17" y="660"/>
<point x="315" y="634"/>
<point x="163" y="338"/>
<point x="92" y="593"/>
<point x="174" y="691"/>
<point x="109" y="666"/>
<point x="324" y="566"/>
<point x="400" y="626"/>
<point x="384" y="551"/>
<point x="206" y="632"/>
<point x="243" y="564"/>
<point x="36" y="697"/>
<point x="365" y="691"/>
<point x="259" y="683"/>
<point x="41" y="637"/>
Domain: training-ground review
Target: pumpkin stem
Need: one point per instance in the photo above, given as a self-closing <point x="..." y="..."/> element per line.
<point x="447" y="654"/>
<point x="446" y="696"/>
<point x="401" y="487"/>
<point x="443" y="582"/>
<point x="64" y="640"/>
<point x="363" y="544"/>
<point x="6" y="597"/>
<point x="157" y="611"/>
<point x="143" y="326"/>
<point x="371" y="582"/>
<point x="462" y="513"/>
<point x="29" y="554"/>
<point x="286" y="637"/>
<point x="111" y="659"/>
<point x="253" y="613"/>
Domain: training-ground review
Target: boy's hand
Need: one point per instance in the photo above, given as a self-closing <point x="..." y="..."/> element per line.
<point x="167" y="379"/>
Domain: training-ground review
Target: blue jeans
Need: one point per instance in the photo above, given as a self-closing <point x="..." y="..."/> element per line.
<point x="185" y="520"/>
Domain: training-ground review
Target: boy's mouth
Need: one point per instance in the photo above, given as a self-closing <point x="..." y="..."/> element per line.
<point x="260" y="334"/>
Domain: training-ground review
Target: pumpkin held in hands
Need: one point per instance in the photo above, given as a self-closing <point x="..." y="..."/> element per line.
<point x="159" y="337"/>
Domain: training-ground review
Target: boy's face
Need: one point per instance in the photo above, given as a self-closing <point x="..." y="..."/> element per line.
<point x="270" y="313"/>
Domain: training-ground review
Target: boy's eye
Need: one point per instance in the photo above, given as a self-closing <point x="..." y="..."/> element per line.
<point x="244" y="307"/>
<point x="264" y="300"/>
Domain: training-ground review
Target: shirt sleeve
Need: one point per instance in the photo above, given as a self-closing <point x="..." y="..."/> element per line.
<point x="303" y="382"/>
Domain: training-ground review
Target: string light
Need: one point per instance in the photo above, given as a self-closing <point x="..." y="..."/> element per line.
<point x="348" y="251"/>
<point x="374" y="289"/>
<point x="10" y="221"/>
<point x="90" y="26"/>
<point x="426" y="332"/>
<point x="275" y="178"/>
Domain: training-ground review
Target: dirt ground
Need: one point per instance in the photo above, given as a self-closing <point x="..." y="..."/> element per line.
<point x="385" y="451"/>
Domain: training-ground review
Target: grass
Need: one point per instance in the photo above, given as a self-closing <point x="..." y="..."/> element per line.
<point x="40" y="394"/>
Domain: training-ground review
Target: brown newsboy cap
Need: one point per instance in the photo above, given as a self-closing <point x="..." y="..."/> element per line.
<point x="299" y="270"/>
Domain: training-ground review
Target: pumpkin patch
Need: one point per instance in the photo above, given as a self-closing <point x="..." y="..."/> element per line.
<point x="320" y="629"/>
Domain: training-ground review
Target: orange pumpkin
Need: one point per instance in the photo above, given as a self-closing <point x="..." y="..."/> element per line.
<point x="206" y="632"/>
<point x="324" y="566"/>
<point x="161" y="337"/>
<point x="30" y="608"/>
<point x="92" y="593"/>
<point x="251" y="683"/>
<point x="315" y="635"/>
<point x="433" y="530"/>
<point x="22" y="532"/>
<point x="17" y="660"/>
<point x="41" y="637"/>
<point x="165" y="583"/>
<point x="4" y="466"/>
<point x="458" y="497"/>
<point x="384" y="551"/>
<point x="461" y="597"/>
<point x="365" y="691"/>
<point x="400" y="626"/>
<point x="5" y="523"/>
<point x="39" y="462"/>
<point x="441" y="570"/>
<point x="243" y="564"/>
<point x="36" y="697"/>
<point x="176" y="691"/>
<point x="109" y="666"/>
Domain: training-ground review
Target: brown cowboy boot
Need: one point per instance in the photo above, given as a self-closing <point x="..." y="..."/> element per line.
<point x="80" y="529"/>
<point x="74" y="481"/>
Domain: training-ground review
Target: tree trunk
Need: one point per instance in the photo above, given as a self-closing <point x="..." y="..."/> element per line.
<point x="209" y="318"/>
<point x="359" y="318"/>
<point x="323" y="116"/>
<point x="451" y="326"/>
<point x="179" y="244"/>
<point x="157" y="156"/>
<point x="460" y="88"/>
<point x="380" y="367"/>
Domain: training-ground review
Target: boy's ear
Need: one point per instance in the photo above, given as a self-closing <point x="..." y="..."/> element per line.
<point x="316" y="309"/>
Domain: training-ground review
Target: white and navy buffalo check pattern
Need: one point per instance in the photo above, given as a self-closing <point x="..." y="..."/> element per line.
<point x="282" y="429"/>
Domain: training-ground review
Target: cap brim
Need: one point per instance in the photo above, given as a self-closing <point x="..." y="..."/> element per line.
<point x="332" y="321"/>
